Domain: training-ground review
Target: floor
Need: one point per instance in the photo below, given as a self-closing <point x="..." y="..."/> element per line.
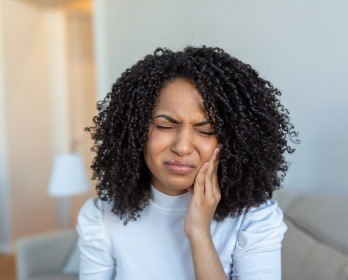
<point x="7" y="267"/>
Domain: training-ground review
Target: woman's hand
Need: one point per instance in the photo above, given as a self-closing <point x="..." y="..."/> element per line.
<point x="205" y="198"/>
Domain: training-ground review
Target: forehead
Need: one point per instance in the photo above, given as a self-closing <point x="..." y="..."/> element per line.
<point x="180" y="96"/>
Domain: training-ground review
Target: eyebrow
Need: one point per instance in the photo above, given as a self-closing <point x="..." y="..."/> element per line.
<point x="169" y="118"/>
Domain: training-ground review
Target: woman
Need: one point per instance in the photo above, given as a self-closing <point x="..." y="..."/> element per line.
<point x="189" y="150"/>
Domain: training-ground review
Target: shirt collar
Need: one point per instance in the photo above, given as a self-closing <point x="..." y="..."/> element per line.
<point x="178" y="203"/>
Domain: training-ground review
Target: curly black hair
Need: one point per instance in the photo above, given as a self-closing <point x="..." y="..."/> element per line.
<point x="247" y="117"/>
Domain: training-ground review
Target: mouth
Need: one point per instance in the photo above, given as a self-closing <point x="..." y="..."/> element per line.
<point x="181" y="168"/>
<point x="180" y="163"/>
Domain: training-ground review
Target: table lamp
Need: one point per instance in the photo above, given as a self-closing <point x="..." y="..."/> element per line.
<point x="68" y="178"/>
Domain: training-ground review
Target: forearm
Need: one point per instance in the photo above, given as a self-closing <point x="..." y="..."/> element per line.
<point x="206" y="261"/>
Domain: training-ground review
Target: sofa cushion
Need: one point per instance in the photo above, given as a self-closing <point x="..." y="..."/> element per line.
<point x="72" y="263"/>
<point x="285" y="197"/>
<point x="324" y="217"/>
<point x="306" y="258"/>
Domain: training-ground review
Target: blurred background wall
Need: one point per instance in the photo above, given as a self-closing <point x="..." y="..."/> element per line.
<point x="300" y="46"/>
<point x="47" y="97"/>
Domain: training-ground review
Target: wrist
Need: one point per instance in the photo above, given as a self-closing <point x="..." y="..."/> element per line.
<point x="199" y="236"/>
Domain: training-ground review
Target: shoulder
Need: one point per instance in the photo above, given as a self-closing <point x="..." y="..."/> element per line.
<point x="91" y="210"/>
<point x="262" y="226"/>
<point x="90" y="219"/>
<point x="94" y="242"/>
<point x="267" y="212"/>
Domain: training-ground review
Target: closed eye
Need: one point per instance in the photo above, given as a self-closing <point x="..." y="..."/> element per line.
<point x="168" y="128"/>
<point x="163" y="127"/>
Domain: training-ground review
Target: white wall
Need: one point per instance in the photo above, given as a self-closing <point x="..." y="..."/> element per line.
<point x="82" y="92"/>
<point x="4" y="186"/>
<point x="28" y="130"/>
<point x="300" y="46"/>
<point x="43" y="109"/>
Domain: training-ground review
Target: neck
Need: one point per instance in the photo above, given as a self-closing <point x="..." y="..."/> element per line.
<point x="167" y="190"/>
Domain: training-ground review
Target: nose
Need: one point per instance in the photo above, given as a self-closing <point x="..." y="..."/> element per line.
<point x="182" y="144"/>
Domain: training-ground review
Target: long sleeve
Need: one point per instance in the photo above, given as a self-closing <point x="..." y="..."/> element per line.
<point x="96" y="261"/>
<point x="257" y="255"/>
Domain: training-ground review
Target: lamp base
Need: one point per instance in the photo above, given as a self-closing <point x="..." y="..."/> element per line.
<point x="63" y="206"/>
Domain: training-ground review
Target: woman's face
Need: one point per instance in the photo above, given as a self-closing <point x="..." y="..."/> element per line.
<point x="175" y="133"/>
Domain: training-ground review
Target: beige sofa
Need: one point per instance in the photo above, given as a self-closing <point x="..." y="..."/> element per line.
<point x="50" y="256"/>
<point x="315" y="247"/>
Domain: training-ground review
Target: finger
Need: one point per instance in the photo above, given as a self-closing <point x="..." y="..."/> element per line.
<point x="199" y="182"/>
<point x="216" y="161"/>
<point x="208" y="186"/>
<point x="210" y="174"/>
<point x="216" y="189"/>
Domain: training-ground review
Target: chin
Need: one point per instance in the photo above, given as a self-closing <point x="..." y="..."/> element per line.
<point x="178" y="184"/>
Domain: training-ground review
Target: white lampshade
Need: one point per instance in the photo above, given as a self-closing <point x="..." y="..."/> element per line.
<point x="69" y="176"/>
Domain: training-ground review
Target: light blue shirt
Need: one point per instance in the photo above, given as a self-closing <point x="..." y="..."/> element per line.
<point x="155" y="246"/>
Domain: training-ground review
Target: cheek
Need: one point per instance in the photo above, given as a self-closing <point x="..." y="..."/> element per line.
<point x="207" y="150"/>
<point x="206" y="155"/>
<point x="156" y="144"/>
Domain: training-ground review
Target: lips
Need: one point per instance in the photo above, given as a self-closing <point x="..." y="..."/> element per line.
<point x="176" y="169"/>
<point x="180" y="163"/>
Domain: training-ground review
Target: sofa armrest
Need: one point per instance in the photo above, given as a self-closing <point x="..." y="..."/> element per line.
<point x="286" y="196"/>
<point x="44" y="253"/>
